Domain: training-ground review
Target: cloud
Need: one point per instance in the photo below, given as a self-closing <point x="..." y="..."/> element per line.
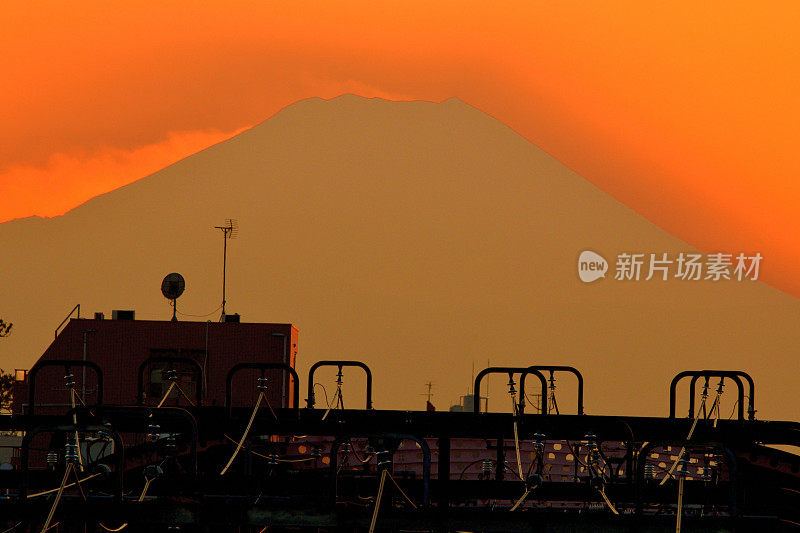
<point x="66" y="181"/>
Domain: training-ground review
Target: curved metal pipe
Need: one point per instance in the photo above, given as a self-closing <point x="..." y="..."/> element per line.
<point x="751" y="409"/>
<point x="66" y="363"/>
<point x="510" y="370"/>
<point x="198" y="375"/>
<point x="311" y="400"/>
<point x="262" y="366"/>
<point x="181" y="413"/>
<point x="135" y="419"/>
<point x="426" y="460"/>
<point x="739" y="388"/>
<point x="734" y="375"/>
<point x="554" y="368"/>
<point x="119" y="452"/>
<point x="644" y="453"/>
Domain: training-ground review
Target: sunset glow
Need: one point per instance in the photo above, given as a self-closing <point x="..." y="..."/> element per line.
<point x="686" y="113"/>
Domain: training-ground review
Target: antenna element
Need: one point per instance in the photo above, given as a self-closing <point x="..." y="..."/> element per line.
<point x="429" y="394"/>
<point x="229" y="231"/>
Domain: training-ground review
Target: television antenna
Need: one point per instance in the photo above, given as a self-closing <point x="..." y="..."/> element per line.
<point x="429" y="394"/>
<point x="229" y="231"/>
<point x="172" y="287"/>
<point x="429" y="406"/>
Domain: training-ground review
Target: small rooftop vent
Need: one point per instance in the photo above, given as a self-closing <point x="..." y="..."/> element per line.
<point x="118" y="314"/>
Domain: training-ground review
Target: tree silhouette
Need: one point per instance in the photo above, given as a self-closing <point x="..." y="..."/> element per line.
<point x="6" y="389"/>
<point x="6" y="379"/>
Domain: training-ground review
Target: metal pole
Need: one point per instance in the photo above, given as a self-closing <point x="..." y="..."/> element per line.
<point x="83" y="385"/>
<point x="224" y="264"/>
<point x="83" y="371"/>
<point x="285" y="362"/>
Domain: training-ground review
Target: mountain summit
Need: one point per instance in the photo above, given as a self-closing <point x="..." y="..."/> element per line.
<point x="418" y="237"/>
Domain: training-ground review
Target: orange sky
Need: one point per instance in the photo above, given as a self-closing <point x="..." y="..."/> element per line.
<point x="688" y="114"/>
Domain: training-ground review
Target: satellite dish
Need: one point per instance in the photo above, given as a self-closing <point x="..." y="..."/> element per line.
<point x="172" y="287"/>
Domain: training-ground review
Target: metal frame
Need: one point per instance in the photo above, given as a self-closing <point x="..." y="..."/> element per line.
<point x="262" y="366"/>
<point x="734" y="375"/>
<point x="426" y="459"/>
<point x="167" y="359"/>
<point x="551" y="369"/>
<point x="311" y="400"/>
<point x="66" y="364"/>
<point x="292" y="496"/>
<point x="510" y="370"/>
<point x="30" y="434"/>
<point x="732" y="463"/>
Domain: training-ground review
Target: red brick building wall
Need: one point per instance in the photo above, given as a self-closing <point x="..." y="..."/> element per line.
<point x="119" y="347"/>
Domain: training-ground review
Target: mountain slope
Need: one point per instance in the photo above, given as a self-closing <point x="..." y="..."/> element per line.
<point x="417" y="237"/>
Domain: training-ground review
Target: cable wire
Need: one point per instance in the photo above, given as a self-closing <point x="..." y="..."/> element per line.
<point x="140" y="499"/>
<point x="553" y="403"/>
<point x="87" y="478"/>
<point x="78" y="396"/>
<point x="516" y="436"/>
<point x="602" y="492"/>
<point x="120" y="528"/>
<point x="325" y="392"/>
<point x="166" y="395"/>
<point x="201" y="316"/>
<point x="301" y="460"/>
<point x="144" y="490"/>
<point x="70" y="468"/>
<point x="330" y="405"/>
<point x="271" y="410"/>
<point x="184" y="394"/>
<point x="521" y="500"/>
<point x="72" y="395"/>
<point x="357" y="456"/>
<point x="377" y="502"/>
<point x="689" y="436"/>
<point x="461" y="476"/>
<point x="244" y="436"/>
<point x="680" y="506"/>
<point x="536" y="402"/>
<point x="735" y="403"/>
<point x="401" y="490"/>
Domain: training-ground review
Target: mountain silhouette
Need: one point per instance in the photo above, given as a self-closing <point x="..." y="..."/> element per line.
<point x="422" y="238"/>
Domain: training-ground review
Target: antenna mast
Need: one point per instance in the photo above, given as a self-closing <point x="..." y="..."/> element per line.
<point x="229" y="231"/>
<point x="429" y="394"/>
